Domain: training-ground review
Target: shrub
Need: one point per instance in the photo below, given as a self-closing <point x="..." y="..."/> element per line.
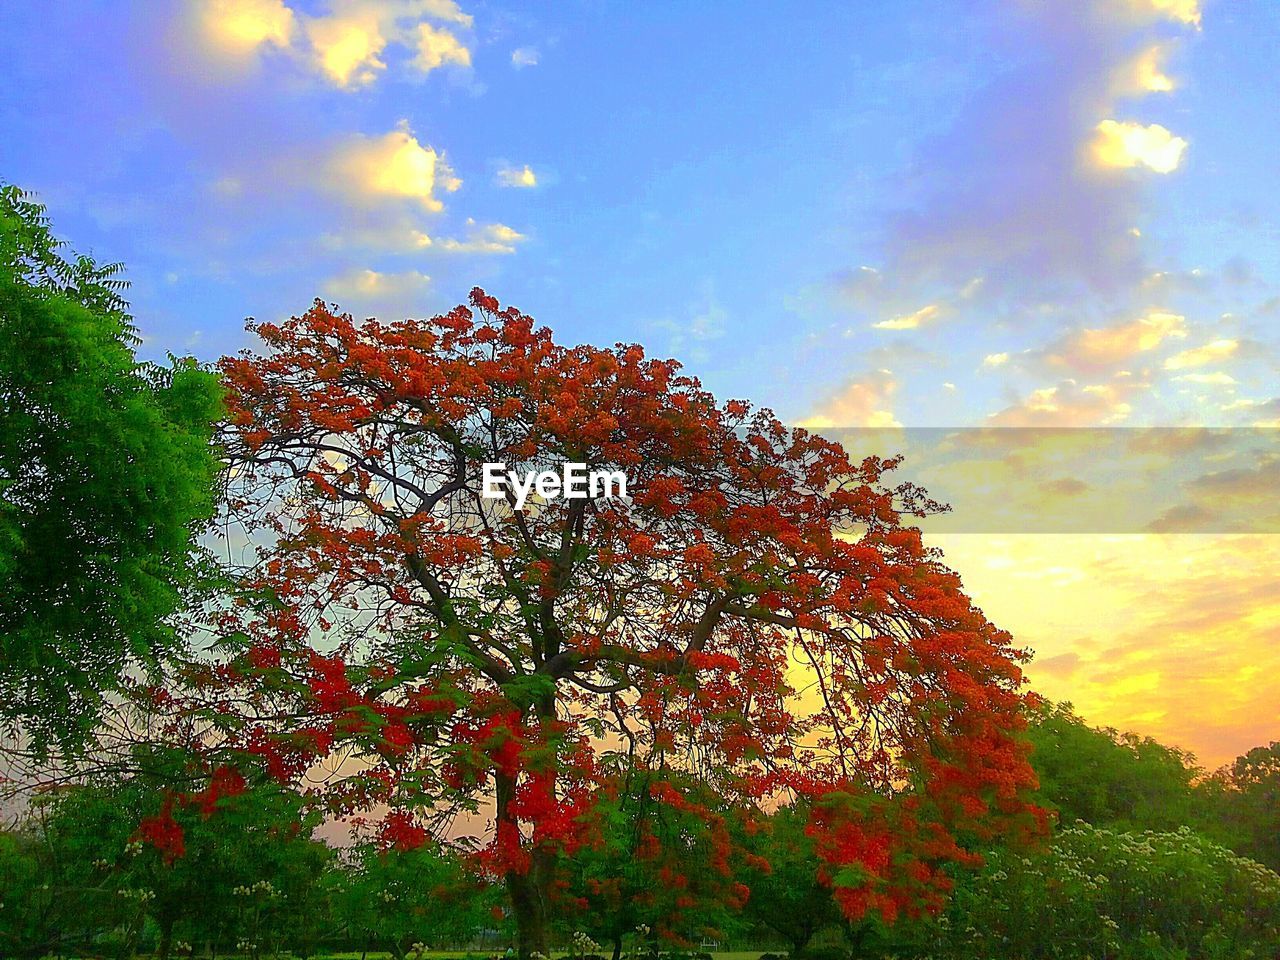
<point x="1127" y="896"/>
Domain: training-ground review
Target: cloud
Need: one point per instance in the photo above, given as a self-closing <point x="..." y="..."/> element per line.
<point x="523" y="57"/>
<point x="369" y="286"/>
<point x="436" y="47"/>
<point x="995" y="359"/>
<point x="1091" y="349"/>
<point x="1215" y="379"/>
<point x="911" y="321"/>
<point x="1145" y="73"/>
<point x="511" y="176"/>
<point x="348" y="43"/>
<point x="445" y="10"/>
<point x="241" y="27"/>
<point x="1202" y="612"/>
<point x="863" y="402"/>
<point x="1181" y="11"/>
<point x="484" y="238"/>
<point x="347" y="48"/>
<point x="1003" y="193"/>
<point x="1124" y="144"/>
<point x="394" y="166"/>
<point x="1070" y="404"/>
<point x="1200" y="356"/>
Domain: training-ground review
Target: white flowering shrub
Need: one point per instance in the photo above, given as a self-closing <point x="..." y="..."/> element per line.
<point x="1106" y="895"/>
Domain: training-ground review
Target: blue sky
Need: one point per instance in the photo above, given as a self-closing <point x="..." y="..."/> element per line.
<point x="748" y="188"/>
<point x="1017" y="212"/>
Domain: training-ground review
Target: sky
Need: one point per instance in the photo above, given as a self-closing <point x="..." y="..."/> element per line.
<point x="1016" y="213"/>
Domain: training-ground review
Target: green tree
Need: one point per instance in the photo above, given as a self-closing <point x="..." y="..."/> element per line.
<point x="395" y="898"/>
<point x="1245" y="797"/>
<point x="1108" y="778"/>
<point x="84" y="870"/>
<point x="658" y="863"/>
<point x="107" y="475"/>
<point x="787" y="895"/>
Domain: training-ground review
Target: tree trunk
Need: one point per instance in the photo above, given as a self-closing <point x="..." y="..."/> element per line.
<point x="528" y="889"/>
<point x="530" y="912"/>
<point x="165" y="946"/>
<point x="617" y="946"/>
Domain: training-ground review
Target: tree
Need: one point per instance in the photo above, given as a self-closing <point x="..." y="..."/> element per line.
<point x="126" y="856"/>
<point x="1246" y="798"/>
<point x="661" y="863"/>
<point x="472" y="652"/>
<point x="397" y="896"/>
<point x="787" y="895"/>
<point x="1108" y="778"/>
<point x="106" y="477"/>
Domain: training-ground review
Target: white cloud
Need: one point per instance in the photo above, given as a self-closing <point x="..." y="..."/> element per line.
<point x="864" y="402"/>
<point x="995" y="359"/>
<point x="911" y="321"/>
<point x="372" y="286"/>
<point x="512" y="176"/>
<point x="393" y="166"/>
<point x="241" y="27"/>
<point x="1200" y="356"/>
<point x="437" y="46"/>
<point x="484" y="238"/>
<point x="1125" y="144"/>
<point x="523" y="57"/>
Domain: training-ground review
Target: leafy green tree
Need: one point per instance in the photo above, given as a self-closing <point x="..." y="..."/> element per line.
<point x="658" y="863"/>
<point x="1108" y="778"/>
<point x="395" y="898"/>
<point x="88" y="868"/>
<point x="787" y="895"/>
<point x="1245" y="797"/>
<point x="107" y="474"/>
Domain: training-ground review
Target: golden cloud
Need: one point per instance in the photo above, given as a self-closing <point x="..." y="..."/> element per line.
<point x="436" y="47"/>
<point x="345" y="45"/>
<point x="1094" y="348"/>
<point x="509" y="176"/>
<point x="366" y="284"/>
<point x="1124" y="144"/>
<point x="393" y="166"/>
<point x="484" y="238"/>
<point x="1177" y="640"/>
<point x="911" y="321"/>
<point x="1071" y="405"/>
<point x="348" y="48"/>
<point x="1144" y="73"/>
<point x="865" y="402"/>
<point x="1200" y="356"/>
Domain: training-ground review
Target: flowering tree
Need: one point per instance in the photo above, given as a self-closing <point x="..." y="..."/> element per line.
<point x="757" y="615"/>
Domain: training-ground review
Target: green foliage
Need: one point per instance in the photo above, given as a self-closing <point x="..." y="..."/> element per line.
<point x="429" y="895"/>
<point x="1126" y="896"/>
<point x="787" y="896"/>
<point x="1111" y="779"/>
<point x="107" y="474"/>
<point x="1246" y="799"/>
<point x="76" y="874"/>
<point x="661" y="872"/>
